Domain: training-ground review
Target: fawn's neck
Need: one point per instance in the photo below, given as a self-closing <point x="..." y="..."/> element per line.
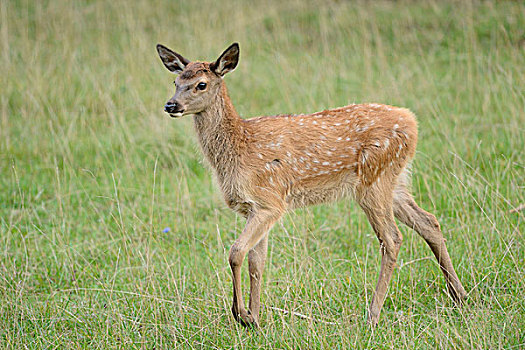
<point x="221" y="134"/>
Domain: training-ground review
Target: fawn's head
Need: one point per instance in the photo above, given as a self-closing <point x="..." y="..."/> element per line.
<point x="197" y="83"/>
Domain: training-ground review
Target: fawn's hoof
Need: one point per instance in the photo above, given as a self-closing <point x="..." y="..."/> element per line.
<point x="245" y="318"/>
<point x="372" y="318"/>
<point x="458" y="294"/>
<point x="372" y="321"/>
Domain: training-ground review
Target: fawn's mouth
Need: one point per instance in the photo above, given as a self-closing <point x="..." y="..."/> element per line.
<point x="176" y="115"/>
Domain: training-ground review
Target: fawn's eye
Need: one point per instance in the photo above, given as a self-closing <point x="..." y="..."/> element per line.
<point x="201" y="86"/>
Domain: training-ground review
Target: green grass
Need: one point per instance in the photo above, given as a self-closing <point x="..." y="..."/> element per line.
<point x="92" y="171"/>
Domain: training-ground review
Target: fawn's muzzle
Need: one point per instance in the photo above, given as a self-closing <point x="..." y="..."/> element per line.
<point x="174" y="109"/>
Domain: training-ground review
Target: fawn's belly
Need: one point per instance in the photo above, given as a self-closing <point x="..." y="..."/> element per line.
<point x="323" y="191"/>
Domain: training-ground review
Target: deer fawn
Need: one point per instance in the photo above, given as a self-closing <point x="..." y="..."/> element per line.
<point x="268" y="165"/>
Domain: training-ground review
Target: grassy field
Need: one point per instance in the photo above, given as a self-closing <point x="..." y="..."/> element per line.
<point x="92" y="172"/>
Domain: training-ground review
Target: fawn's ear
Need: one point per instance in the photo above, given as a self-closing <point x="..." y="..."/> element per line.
<point x="172" y="60"/>
<point x="227" y="61"/>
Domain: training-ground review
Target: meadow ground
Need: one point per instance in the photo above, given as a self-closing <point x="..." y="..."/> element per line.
<point x="92" y="172"/>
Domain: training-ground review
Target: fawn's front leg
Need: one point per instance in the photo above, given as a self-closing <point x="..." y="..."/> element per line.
<point x="256" y="261"/>
<point x="257" y="227"/>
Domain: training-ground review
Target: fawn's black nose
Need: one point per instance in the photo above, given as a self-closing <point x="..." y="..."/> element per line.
<point x="172" y="108"/>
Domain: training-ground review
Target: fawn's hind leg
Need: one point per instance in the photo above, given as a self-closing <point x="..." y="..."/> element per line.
<point x="377" y="204"/>
<point x="408" y="212"/>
